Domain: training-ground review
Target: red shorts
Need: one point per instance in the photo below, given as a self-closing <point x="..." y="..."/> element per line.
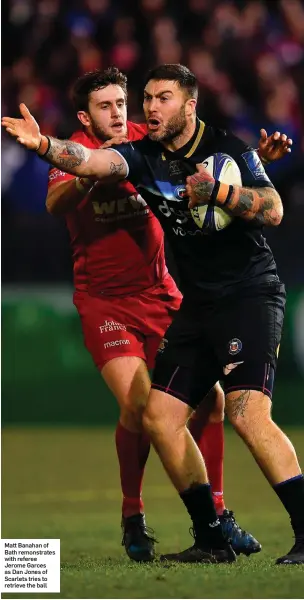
<point x="127" y="325"/>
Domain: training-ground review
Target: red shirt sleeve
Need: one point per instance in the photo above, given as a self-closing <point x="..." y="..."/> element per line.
<point x="57" y="176"/>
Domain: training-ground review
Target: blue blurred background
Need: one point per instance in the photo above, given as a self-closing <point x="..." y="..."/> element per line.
<point x="248" y="56"/>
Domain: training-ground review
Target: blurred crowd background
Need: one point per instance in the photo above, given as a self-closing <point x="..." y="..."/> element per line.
<point x="249" y="59"/>
<point x="247" y="54"/>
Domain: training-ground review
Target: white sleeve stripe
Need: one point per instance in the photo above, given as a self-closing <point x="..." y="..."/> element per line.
<point x="123" y="158"/>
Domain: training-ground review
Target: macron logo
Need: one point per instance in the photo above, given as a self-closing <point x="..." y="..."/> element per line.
<point x="116" y="343"/>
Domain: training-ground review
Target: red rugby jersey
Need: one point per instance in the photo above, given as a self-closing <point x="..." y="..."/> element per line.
<point x="117" y="242"/>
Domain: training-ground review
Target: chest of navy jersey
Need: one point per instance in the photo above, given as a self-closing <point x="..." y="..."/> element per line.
<point x="208" y="262"/>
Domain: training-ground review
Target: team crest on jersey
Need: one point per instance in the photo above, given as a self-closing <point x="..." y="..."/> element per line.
<point x="235" y="346"/>
<point x="175" y="167"/>
<point x="180" y="192"/>
<point x="162" y="345"/>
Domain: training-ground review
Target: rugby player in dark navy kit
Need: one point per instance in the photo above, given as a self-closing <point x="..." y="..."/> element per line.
<point x="230" y="321"/>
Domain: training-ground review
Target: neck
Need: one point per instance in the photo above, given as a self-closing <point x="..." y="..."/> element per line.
<point x="183" y="138"/>
<point x="89" y="132"/>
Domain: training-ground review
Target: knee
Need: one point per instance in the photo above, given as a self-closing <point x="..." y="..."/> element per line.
<point x="159" y="425"/>
<point x="132" y="406"/>
<point x="131" y="420"/>
<point x="151" y="422"/>
<point x="131" y="413"/>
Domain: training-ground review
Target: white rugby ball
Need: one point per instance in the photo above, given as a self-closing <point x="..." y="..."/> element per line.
<point x="225" y="169"/>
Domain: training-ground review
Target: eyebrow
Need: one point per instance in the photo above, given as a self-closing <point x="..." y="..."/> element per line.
<point x="110" y="101"/>
<point x="159" y="93"/>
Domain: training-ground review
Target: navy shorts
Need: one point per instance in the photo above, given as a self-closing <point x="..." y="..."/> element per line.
<point x="235" y="339"/>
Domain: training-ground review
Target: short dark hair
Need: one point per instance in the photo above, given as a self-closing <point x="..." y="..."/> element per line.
<point x="96" y="80"/>
<point x="175" y="72"/>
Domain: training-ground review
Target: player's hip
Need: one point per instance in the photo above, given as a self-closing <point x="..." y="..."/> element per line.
<point x="129" y="326"/>
<point x="145" y="309"/>
<point x="236" y="341"/>
<point x="247" y="327"/>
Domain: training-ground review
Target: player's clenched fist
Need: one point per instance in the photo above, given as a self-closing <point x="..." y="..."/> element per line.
<point x="199" y="186"/>
<point x="26" y="130"/>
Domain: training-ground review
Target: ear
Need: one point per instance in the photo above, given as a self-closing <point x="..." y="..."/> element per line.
<point x="84" y="118"/>
<point x="191" y="107"/>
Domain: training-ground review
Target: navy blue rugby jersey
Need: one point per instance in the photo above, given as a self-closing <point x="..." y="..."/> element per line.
<point x="208" y="263"/>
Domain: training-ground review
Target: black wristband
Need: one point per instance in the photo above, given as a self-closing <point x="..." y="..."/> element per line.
<point x="215" y="190"/>
<point x="228" y="195"/>
<point x="48" y="147"/>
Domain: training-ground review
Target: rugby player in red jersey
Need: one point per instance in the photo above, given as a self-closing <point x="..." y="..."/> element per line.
<point x="126" y="299"/>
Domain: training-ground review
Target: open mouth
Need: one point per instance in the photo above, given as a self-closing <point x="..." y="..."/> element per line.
<point x="117" y="126"/>
<point x="153" y="123"/>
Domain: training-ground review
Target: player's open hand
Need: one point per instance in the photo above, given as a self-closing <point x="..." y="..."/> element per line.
<point x="273" y="147"/>
<point x="26" y="130"/>
<point x="199" y="186"/>
<point x="118" y="139"/>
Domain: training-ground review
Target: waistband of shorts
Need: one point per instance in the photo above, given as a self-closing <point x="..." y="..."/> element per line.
<point x="113" y="293"/>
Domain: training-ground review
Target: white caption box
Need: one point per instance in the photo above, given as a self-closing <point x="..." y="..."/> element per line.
<point x="30" y="565"/>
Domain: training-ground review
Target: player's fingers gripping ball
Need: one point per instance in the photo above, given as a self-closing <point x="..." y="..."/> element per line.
<point x="209" y="190"/>
<point x="199" y="186"/>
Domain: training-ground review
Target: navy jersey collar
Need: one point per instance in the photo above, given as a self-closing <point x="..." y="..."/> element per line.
<point x="190" y="147"/>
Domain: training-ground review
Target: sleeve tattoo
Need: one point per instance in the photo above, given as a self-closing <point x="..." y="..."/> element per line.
<point x="261" y="204"/>
<point x="67" y="155"/>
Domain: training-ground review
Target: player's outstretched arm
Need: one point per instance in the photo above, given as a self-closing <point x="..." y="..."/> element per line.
<point x="68" y="156"/>
<point x="263" y="204"/>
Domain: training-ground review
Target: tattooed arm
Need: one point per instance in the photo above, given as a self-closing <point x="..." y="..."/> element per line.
<point x="66" y="155"/>
<point x="74" y="158"/>
<point x="262" y="204"/>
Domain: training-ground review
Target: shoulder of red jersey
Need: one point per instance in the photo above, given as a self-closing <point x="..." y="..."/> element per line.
<point x="136" y="131"/>
<point x="86" y="140"/>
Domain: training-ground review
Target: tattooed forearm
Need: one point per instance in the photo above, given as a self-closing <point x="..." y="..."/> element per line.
<point x="238" y="405"/>
<point x="69" y="156"/>
<point x="262" y="204"/>
<point x="271" y="208"/>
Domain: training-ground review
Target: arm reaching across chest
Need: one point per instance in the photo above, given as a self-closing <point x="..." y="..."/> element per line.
<point x="261" y="203"/>
<point x="255" y="199"/>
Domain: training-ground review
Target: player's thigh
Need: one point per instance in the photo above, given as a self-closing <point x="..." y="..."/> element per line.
<point x="212" y="406"/>
<point x="160" y="305"/>
<point x="165" y="413"/>
<point x="249" y="411"/>
<point x="129" y="381"/>
<point x="108" y="330"/>
<point x="247" y="334"/>
<point x="185" y="367"/>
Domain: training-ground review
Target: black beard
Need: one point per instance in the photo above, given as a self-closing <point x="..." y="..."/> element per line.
<point x="174" y="128"/>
